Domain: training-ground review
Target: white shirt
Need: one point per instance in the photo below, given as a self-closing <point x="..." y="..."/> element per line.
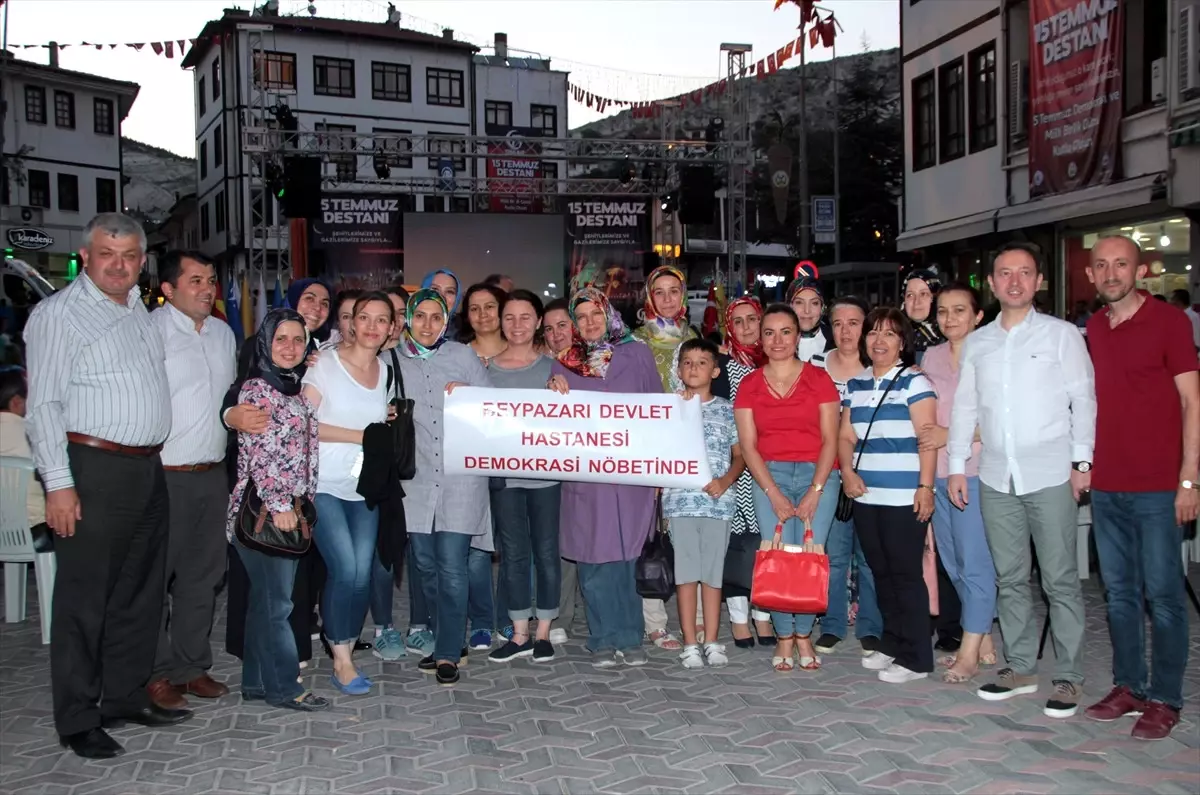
<point x="346" y="404"/>
<point x="1195" y="318"/>
<point x="201" y="366"/>
<point x="807" y="347"/>
<point x="1031" y="391"/>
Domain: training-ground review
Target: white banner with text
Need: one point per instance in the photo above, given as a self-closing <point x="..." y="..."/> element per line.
<point x="595" y="437"/>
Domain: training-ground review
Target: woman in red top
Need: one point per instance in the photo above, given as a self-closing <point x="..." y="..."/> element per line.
<point x="787" y="420"/>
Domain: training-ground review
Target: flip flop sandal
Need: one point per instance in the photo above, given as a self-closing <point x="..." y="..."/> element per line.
<point x="955" y="678"/>
<point x="663" y="640"/>
<point x="949" y="660"/>
<point x="782" y="665"/>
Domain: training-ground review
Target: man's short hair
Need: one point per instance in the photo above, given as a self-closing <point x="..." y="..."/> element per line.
<point x="114" y="225"/>
<point x="1033" y="250"/>
<point x="12" y="384"/>
<point x="558" y="304"/>
<point x="171" y="264"/>
<point x="494" y="279"/>
<point x="699" y="344"/>
<point x="1181" y="297"/>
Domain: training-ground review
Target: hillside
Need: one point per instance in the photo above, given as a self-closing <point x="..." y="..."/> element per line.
<point x="155" y="179"/>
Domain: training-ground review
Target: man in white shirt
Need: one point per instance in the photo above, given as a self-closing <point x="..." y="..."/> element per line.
<point x="1183" y="300"/>
<point x="1026" y="381"/>
<point x="200" y="362"/>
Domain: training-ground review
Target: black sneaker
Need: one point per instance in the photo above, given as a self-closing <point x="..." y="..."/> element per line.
<point x="511" y="651"/>
<point x="827" y="643"/>
<point x="447" y="674"/>
<point x="429" y="664"/>
<point x="309" y="702"/>
<point x="869" y="644"/>
<point x="543" y="651"/>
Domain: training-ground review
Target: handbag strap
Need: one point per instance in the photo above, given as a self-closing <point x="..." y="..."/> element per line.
<point x="399" y="378"/>
<point x="777" y="541"/>
<point x="875" y="413"/>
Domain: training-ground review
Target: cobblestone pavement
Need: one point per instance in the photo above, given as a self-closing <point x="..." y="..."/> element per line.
<point x="565" y="727"/>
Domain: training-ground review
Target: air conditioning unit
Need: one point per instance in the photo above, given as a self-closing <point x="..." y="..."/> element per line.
<point x="1018" y="99"/>
<point x="1158" y="80"/>
<point x="1187" y="56"/>
<point x="15" y="214"/>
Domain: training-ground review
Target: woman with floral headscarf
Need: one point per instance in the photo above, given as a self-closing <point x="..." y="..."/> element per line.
<point x="446" y="514"/>
<point x="603" y="525"/>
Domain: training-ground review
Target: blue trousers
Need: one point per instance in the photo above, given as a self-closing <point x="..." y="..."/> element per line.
<point x="527" y="525"/>
<point x="481" y="609"/>
<point x="841" y="546"/>
<point x="441" y="560"/>
<point x="793" y="479"/>
<point x="1138" y="544"/>
<point x="418" y="611"/>
<point x="614" y="609"/>
<point x="345" y="536"/>
<point x="270" y="662"/>
<point x="963" y="549"/>
<point x="382" y="588"/>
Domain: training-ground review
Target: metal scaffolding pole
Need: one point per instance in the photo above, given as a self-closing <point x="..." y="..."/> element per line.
<point x="738" y="162"/>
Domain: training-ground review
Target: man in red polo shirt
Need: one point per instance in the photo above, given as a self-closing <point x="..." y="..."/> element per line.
<point x="1144" y="484"/>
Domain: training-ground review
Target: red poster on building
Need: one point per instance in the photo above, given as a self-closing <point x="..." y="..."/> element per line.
<point x="1075" y="65"/>
<point x="513" y="170"/>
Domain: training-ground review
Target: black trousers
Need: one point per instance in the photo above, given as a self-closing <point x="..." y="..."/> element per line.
<point x="893" y="542"/>
<point x="108" y="589"/>
<point x="948" y="622"/>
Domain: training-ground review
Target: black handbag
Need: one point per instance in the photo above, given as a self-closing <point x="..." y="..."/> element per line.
<point x="404" y="436"/>
<point x="739" y="559"/>
<point x="655" y="568"/>
<point x="255" y="527"/>
<point x="845" y="505"/>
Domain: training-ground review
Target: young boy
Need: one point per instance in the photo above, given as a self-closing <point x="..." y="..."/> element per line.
<point x="699" y="520"/>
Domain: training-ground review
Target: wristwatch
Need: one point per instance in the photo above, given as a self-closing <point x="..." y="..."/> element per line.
<point x="932" y="489"/>
<point x="1082" y="467"/>
<point x="1190" y="484"/>
<point x="818" y="487"/>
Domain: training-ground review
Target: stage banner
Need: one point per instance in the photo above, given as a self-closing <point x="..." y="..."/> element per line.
<point x="610" y="238"/>
<point x="1075" y="100"/>
<point x="511" y="159"/>
<point x="359" y="239"/>
<point x="595" y="437"/>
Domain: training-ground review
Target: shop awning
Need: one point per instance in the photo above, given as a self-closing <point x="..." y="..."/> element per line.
<point x="1115" y="196"/>
<point x="948" y="231"/>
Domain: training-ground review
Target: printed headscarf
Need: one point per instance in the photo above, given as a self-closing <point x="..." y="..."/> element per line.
<point x="673" y="328"/>
<point x="427" y="283"/>
<point x="747" y="355"/>
<point x="286" y="380"/>
<point x="807" y="278"/>
<point x="590" y="359"/>
<point x="295" y="290"/>
<point x="408" y="344"/>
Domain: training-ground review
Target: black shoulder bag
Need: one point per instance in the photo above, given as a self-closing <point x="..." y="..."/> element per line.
<point x="404" y="439"/>
<point x="654" y="572"/>
<point x="845" y="505"/>
<point x="255" y="527"/>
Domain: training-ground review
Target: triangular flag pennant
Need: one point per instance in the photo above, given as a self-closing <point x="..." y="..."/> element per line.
<point x="192" y="42"/>
<point x="814" y="36"/>
<point x="762" y="73"/>
<point x="771" y="67"/>
<point x="260" y="303"/>
<point x="137" y="47"/>
<point x="157" y="47"/>
<point x="233" y="311"/>
<point x="181" y="42"/>
<point x="170" y="47"/>
<point x="246" y="307"/>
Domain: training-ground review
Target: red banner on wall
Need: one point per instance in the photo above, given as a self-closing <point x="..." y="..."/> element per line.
<point x="514" y="164"/>
<point x="1075" y="100"/>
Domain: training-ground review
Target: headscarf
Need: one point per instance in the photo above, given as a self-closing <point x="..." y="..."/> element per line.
<point x="590" y="359"/>
<point x="747" y="355"/>
<point x="295" y="290"/>
<point x="286" y="380"/>
<point x="801" y="283"/>
<point x="408" y="344"/>
<point x="427" y="284"/>
<point x="673" y="328"/>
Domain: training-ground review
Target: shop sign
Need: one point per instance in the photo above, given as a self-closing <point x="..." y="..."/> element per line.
<point x="1075" y="99"/>
<point x="29" y="239"/>
<point x="824" y="219"/>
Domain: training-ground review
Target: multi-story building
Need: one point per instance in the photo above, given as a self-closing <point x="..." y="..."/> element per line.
<point x="62" y="157"/>
<point x="1103" y="97"/>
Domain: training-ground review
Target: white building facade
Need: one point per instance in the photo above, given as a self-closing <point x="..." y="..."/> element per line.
<point x="968" y="126"/>
<point x="62" y="152"/>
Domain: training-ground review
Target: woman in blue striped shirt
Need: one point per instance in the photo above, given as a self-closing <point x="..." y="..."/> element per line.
<point x="891" y="482"/>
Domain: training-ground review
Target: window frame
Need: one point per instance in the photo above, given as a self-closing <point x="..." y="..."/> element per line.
<point x="202" y="159"/>
<point x="39" y="92"/>
<point x="205" y="224"/>
<point x="219" y="211"/>
<point x="433" y="76"/>
<point x="924" y="152"/>
<point x="982" y="130"/>
<point x="458" y="151"/>
<point x="218" y="150"/>
<point x="324" y="66"/>
<point x="952" y="110"/>
<point x="67" y="191"/>
<point x="393" y="148"/>
<point x="97" y="104"/>
<point x="550" y="131"/>
<point x="201" y="96"/>
<point x="274" y="60"/>
<point x="492" y="110"/>
<point x="37" y="174"/>
<point x="382" y="70"/>
<point x="100" y="208"/>
<point x="69" y="96"/>
<point x="342" y="162"/>
<point x="215" y="74"/>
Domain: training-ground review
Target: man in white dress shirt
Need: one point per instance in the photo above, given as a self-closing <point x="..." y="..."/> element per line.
<point x="1026" y="382"/>
<point x="200" y="359"/>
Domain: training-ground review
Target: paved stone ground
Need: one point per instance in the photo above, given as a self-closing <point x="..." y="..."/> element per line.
<point x="565" y="727"/>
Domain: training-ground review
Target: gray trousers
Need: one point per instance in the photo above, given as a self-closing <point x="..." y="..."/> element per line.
<point x="196" y="550"/>
<point x="1050" y="518"/>
<point x="570" y="595"/>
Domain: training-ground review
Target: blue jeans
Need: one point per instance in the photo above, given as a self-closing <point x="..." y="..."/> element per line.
<point x="527" y="525"/>
<point x="441" y="560"/>
<point x="345" y="535"/>
<point x="793" y="479"/>
<point x="1138" y="544"/>
<point x="963" y="549"/>
<point x="841" y="545"/>
<point x="418" y="610"/>
<point x="481" y="609"/>
<point x="382" y="588"/>
<point x="614" y="609"/>
<point x="270" y="662"/>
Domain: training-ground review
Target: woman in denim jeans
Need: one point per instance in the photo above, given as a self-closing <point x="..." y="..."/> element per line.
<point x="787" y="418"/>
<point x="526" y="511"/>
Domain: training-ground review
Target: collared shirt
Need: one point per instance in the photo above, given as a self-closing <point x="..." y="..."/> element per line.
<point x="808" y="347"/>
<point x="200" y="368"/>
<point x="1031" y="391"/>
<point x="96" y="368"/>
<point x="886" y="455"/>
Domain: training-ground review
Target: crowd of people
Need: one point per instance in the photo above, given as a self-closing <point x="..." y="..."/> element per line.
<point x="934" y="460"/>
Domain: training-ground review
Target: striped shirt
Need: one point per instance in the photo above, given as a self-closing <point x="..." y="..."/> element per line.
<point x="890" y="466"/>
<point x="200" y="368"/>
<point x="96" y="368"/>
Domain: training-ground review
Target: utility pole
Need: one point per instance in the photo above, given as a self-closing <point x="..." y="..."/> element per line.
<point x="802" y="181"/>
<point x="837" y="160"/>
<point x="4" y="56"/>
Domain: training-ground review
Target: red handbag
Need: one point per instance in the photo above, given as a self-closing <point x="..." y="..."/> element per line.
<point x="790" y="580"/>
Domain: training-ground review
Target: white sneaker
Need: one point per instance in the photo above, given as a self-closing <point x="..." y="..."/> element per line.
<point x="691" y="657"/>
<point x="877" y="661"/>
<point x="714" y="655"/>
<point x="558" y="635"/>
<point x="899" y="675"/>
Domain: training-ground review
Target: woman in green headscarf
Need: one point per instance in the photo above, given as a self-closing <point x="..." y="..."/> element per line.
<point x="666" y="322"/>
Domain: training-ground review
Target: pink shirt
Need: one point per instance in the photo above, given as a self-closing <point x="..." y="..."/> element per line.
<point x="939" y="367"/>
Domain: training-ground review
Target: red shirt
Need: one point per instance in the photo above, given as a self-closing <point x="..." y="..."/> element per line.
<point x="1139" y="421"/>
<point x="789" y="428"/>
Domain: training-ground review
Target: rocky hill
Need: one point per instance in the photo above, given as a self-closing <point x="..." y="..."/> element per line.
<point x="156" y="178"/>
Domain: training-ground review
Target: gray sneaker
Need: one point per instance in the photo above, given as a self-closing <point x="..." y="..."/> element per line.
<point x="605" y="659"/>
<point x="635" y="656"/>
<point x="420" y="642"/>
<point x="389" y="646"/>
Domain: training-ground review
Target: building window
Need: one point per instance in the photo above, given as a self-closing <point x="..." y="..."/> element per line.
<point x="498" y="113"/>
<point x="39" y="188"/>
<point x="35" y="104"/>
<point x="68" y="193"/>
<point x="201" y="96"/>
<point x="346" y="164"/>
<point x="924" y="121"/>
<point x="219" y="210"/>
<point x="216" y="79"/>
<point x="983" y="97"/>
<point x="460" y="204"/>
<point x="447" y="148"/>
<point x="549" y="170"/>
<point x="544" y="118"/>
<point x="218" y="147"/>
<point x="444" y="87"/>
<point x="391" y="82"/>
<point x="275" y="70"/>
<point x="434" y="204"/>
<point x="64" y="109"/>
<point x="106" y="195"/>
<point x="204" y="224"/>
<point x="333" y="77"/>
<point x="102" y="113"/>
<point x="395" y="146"/>
<point x="203" y="159"/>
<point x="952" y="136"/>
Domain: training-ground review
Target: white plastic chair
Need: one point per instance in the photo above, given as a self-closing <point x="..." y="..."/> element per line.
<point x="16" y="546"/>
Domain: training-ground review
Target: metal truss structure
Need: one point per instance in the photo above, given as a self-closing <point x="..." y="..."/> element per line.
<point x="739" y="162"/>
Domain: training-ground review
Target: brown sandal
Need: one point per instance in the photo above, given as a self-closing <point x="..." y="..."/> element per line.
<point x="952" y="677"/>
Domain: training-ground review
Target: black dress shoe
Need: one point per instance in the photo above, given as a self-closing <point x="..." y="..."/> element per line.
<point x="92" y="744"/>
<point x="152" y="715"/>
<point x="949" y="644"/>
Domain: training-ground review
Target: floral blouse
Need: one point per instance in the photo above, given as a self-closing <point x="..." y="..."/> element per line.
<point x="276" y="458"/>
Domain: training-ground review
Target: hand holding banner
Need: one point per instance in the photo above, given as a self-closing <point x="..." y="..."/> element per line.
<point x="595" y="437"/>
